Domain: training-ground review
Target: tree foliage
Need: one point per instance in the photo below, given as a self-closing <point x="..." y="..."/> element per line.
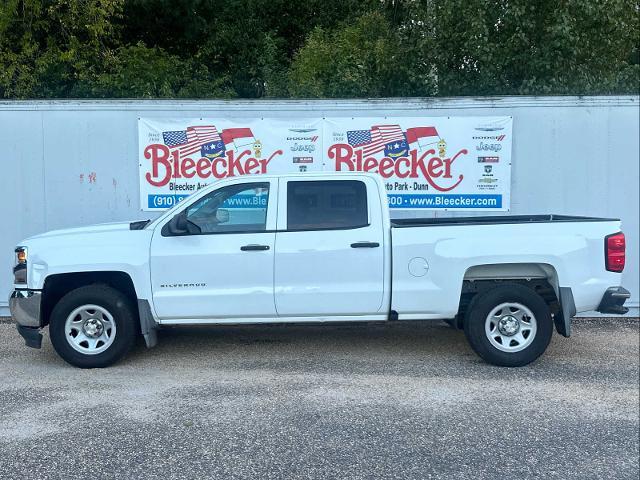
<point x="366" y="59"/>
<point x="316" y="48"/>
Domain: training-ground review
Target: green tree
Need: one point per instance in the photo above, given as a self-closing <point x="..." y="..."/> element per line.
<point x="50" y="48"/>
<point x="142" y="72"/>
<point x="502" y="47"/>
<point x="251" y="42"/>
<point x="316" y="48"/>
<point x="475" y="47"/>
<point x="366" y="59"/>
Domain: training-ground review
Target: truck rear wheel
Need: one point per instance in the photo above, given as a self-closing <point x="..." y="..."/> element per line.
<point x="92" y="326"/>
<point x="509" y="325"/>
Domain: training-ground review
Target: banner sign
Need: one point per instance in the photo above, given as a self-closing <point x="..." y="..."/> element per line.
<point x="437" y="163"/>
<point x="178" y="157"/>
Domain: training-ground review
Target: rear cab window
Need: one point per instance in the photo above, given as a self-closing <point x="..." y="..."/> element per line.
<point x="326" y="204"/>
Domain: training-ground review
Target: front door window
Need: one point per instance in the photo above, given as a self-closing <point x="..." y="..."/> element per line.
<point x="233" y="209"/>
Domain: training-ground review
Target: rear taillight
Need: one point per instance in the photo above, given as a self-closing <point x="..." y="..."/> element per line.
<point x="614" y="252"/>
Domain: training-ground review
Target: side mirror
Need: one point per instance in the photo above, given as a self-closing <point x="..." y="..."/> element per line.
<point x="222" y="215"/>
<point x="171" y="227"/>
<point x="180" y="225"/>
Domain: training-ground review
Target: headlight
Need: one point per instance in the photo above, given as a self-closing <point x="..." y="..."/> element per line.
<point x="20" y="270"/>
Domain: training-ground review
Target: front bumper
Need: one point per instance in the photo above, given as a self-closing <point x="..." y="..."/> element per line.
<point x="25" y="307"/>
<point x="613" y="301"/>
<point x="32" y="336"/>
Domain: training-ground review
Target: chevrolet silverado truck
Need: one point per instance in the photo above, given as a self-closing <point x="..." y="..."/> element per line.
<point x="314" y="248"/>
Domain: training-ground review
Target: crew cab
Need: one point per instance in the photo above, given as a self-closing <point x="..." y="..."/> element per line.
<point x="313" y="248"/>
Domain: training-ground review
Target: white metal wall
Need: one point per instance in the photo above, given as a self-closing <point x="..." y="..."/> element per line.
<point x="69" y="163"/>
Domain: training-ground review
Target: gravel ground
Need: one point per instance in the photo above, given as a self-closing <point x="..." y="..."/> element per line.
<point x="380" y="401"/>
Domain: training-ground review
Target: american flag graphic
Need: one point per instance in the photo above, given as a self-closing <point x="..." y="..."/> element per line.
<point x="189" y="141"/>
<point x="357" y="138"/>
<point x="373" y="141"/>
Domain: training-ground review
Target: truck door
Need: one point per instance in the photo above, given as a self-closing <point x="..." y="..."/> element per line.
<point x="225" y="270"/>
<point x="329" y="258"/>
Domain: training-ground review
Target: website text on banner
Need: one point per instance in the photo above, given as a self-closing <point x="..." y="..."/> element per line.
<point x="437" y="163"/>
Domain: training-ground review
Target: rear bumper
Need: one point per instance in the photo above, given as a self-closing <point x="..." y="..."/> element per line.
<point x="25" y="307"/>
<point x="613" y="301"/>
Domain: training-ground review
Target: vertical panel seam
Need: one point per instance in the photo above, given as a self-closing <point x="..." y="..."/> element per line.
<point x="44" y="175"/>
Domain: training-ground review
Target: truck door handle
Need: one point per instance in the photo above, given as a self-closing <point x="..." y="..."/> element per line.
<point x="365" y="245"/>
<point x="254" y="247"/>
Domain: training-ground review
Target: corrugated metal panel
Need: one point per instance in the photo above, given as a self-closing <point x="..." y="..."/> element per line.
<point x="67" y="163"/>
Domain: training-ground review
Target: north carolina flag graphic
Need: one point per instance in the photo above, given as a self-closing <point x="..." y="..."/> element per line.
<point x="238" y="137"/>
<point x="396" y="149"/>
<point x="423" y="136"/>
<point x="212" y="149"/>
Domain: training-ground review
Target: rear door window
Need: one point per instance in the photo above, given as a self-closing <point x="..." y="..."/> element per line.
<point x="326" y="204"/>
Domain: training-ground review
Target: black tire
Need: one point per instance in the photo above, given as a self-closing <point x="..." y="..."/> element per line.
<point x="483" y="304"/>
<point x="118" y="306"/>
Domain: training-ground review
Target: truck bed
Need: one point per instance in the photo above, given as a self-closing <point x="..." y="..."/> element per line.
<point x="569" y="250"/>
<point x="493" y="219"/>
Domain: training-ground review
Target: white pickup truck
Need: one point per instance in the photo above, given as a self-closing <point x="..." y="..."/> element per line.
<point x="314" y="248"/>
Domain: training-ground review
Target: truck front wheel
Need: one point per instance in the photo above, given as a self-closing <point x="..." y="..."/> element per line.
<point x="92" y="326"/>
<point x="509" y="325"/>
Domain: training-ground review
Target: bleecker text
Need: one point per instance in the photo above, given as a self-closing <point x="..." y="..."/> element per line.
<point x="167" y="165"/>
<point x="427" y="165"/>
